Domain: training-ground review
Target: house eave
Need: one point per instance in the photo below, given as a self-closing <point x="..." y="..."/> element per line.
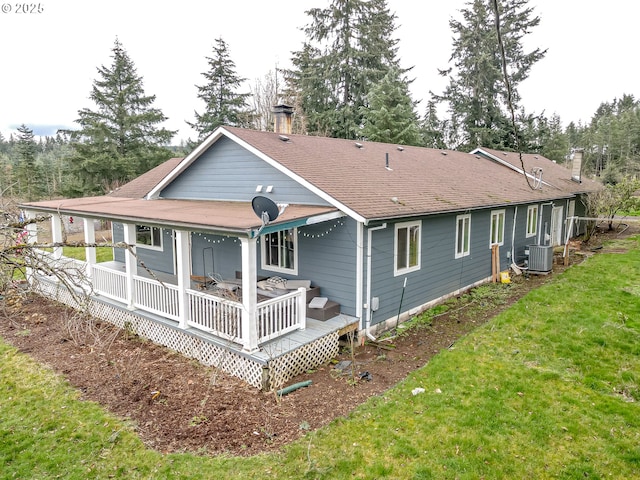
<point x="227" y="218"/>
<point x="403" y="215"/>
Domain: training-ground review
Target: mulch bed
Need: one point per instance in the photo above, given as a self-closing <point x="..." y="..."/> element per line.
<point x="176" y="404"/>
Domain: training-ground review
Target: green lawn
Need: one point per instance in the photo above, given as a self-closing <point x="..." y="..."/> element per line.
<point x="103" y="254"/>
<point x="548" y="389"/>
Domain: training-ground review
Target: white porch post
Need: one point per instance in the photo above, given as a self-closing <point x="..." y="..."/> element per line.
<point x="184" y="282"/>
<point x="249" y="295"/>
<point x="302" y="307"/>
<point x="56" y="235"/>
<point x="32" y="237"/>
<point x="89" y="238"/>
<point x="130" y="261"/>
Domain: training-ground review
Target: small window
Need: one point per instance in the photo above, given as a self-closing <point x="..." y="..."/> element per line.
<point x="407" y="247"/>
<point x="532" y="220"/>
<point x="279" y="251"/>
<point x="463" y="235"/>
<point x="149" y="236"/>
<point x="497" y="227"/>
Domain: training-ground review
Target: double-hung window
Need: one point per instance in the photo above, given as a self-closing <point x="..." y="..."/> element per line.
<point x="463" y="235"/>
<point x="407" y="247"/>
<point x="497" y="227"/>
<point x="149" y="237"/>
<point x="280" y="251"/>
<point x="532" y="220"/>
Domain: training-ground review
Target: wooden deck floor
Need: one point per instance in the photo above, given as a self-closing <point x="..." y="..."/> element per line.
<point x="315" y="329"/>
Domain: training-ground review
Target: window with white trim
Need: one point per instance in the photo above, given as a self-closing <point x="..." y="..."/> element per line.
<point x="149" y="237"/>
<point x="280" y="251"/>
<point x="497" y="227"/>
<point x="463" y="235"/>
<point x="532" y="220"/>
<point x="407" y="247"/>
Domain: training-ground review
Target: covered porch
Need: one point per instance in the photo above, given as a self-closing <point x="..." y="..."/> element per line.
<point x="270" y="338"/>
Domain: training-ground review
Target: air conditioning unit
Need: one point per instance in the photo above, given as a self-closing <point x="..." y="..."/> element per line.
<point x="540" y="258"/>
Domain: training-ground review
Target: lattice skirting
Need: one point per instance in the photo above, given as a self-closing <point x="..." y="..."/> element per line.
<point x="306" y="357"/>
<point x="273" y="375"/>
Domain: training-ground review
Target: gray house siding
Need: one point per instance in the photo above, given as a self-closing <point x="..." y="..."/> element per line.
<point x="217" y="254"/>
<point x="327" y="256"/>
<point x="440" y="272"/>
<point x="156" y="260"/>
<point x="580" y="226"/>
<point x="226" y="171"/>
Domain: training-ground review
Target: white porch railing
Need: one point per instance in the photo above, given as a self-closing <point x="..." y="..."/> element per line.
<point x="156" y="297"/>
<point x="280" y="315"/>
<point x="220" y="316"/>
<point x="110" y="283"/>
<point x="212" y="314"/>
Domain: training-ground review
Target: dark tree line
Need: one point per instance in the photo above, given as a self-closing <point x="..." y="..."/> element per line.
<point x="346" y="81"/>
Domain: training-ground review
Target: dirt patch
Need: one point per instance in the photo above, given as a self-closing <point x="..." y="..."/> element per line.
<point x="176" y="404"/>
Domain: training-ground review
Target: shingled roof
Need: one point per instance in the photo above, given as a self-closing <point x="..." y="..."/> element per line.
<point x="142" y="185"/>
<point x="367" y="180"/>
<point x="415" y="181"/>
<point x="552" y="173"/>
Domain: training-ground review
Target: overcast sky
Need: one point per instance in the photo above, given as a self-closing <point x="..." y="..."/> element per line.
<point x="49" y="59"/>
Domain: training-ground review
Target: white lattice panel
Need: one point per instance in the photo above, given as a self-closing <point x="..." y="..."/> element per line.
<point x="280" y="369"/>
<point x="287" y="366"/>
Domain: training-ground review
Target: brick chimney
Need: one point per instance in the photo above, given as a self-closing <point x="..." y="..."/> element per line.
<point x="282" y="115"/>
<point x="576" y="165"/>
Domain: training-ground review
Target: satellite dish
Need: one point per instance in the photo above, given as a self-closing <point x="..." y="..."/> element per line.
<point x="266" y="210"/>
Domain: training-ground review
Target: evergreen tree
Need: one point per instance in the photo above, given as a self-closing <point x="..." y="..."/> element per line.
<point x="121" y="138"/>
<point x="350" y="48"/>
<point x="223" y="105"/>
<point x="556" y="146"/>
<point x="477" y="95"/>
<point x="6" y="169"/>
<point x="432" y="129"/>
<point x="390" y="115"/>
<point x="4" y="145"/>
<point x="613" y="139"/>
<point x="26" y="173"/>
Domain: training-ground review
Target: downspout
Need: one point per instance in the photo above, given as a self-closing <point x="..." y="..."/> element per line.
<point x="540" y="220"/>
<point x="369" y="249"/>
<point x="513" y="237"/>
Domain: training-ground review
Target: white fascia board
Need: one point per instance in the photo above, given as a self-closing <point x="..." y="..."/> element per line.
<point x="278" y="166"/>
<point x="188" y="160"/>
<point x="508" y="165"/>
<point x="219" y="132"/>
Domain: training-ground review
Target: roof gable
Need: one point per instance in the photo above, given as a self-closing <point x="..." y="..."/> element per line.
<point x="227" y="171"/>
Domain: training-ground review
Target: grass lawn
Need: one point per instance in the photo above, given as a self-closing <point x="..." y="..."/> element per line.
<point x="103" y="254"/>
<point x="548" y="389"/>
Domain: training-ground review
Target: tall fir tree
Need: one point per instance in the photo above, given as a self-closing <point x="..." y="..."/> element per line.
<point x="27" y="173"/>
<point x="122" y="137"/>
<point x="223" y="104"/>
<point x="390" y="114"/>
<point x="350" y="48"/>
<point x="477" y="95"/>
<point x="432" y="129"/>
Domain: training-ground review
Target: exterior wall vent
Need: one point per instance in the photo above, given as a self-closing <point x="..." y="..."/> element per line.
<point x="540" y="258"/>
